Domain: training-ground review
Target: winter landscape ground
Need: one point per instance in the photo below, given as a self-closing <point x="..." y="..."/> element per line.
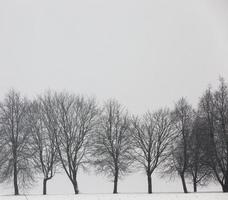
<point x="156" y="196"/>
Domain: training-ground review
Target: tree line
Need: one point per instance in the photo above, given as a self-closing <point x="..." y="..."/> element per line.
<point x="59" y="131"/>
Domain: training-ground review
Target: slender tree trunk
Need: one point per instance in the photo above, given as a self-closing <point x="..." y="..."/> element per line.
<point x="194" y="185"/>
<point x="75" y="185"/>
<point x="74" y="182"/>
<point x="16" y="190"/>
<point x="115" y="182"/>
<point x="149" y="180"/>
<point x="225" y="186"/>
<point x="44" y="186"/>
<point x="184" y="183"/>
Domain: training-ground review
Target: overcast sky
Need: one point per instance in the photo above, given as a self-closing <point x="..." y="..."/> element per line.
<point x="144" y="53"/>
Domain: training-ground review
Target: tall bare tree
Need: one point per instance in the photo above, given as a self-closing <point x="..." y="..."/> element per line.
<point x="77" y="119"/>
<point x="198" y="170"/>
<point x="15" y="140"/>
<point x="214" y="108"/>
<point x="44" y="127"/>
<point x="182" y="117"/>
<point x="112" y="149"/>
<point x="152" y="135"/>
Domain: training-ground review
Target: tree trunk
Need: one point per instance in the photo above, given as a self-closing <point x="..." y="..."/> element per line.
<point x="194" y="185"/>
<point x="74" y="182"/>
<point x="75" y="185"/>
<point x="184" y="183"/>
<point x="44" y="186"/>
<point x="149" y="180"/>
<point x="225" y="186"/>
<point x="16" y="190"/>
<point x="194" y="180"/>
<point x="115" y="182"/>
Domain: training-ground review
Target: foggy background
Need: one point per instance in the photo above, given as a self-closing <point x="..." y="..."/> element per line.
<point x="145" y="53"/>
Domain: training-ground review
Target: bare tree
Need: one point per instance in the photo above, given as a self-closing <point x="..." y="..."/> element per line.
<point x="152" y="135"/>
<point x="214" y="109"/>
<point x="182" y="117"/>
<point x="112" y="150"/>
<point x="44" y="127"/>
<point x="77" y="118"/>
<point x="198" y="170"/>
<point x="15" y="140"/>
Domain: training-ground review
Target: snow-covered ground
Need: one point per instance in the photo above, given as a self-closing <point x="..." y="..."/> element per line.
<point x="164" y="196"/>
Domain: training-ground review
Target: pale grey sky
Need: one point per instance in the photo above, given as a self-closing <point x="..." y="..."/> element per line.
<point x="145" y="53"/>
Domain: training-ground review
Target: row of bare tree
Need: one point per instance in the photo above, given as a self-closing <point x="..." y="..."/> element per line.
<point x="60" y="131"/>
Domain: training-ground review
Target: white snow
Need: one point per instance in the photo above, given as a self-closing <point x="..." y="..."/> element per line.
<point x="163" y="196"/>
